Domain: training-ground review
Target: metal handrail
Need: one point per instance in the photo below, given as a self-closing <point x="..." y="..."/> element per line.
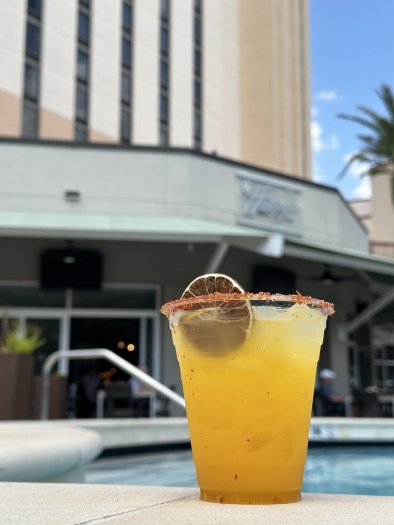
<point x="101" y="353"/>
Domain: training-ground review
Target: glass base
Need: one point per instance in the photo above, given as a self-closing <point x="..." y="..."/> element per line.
<point x="250" y="498"/>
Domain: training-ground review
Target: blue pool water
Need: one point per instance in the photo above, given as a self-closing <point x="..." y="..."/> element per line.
<point x="333" y="470"/>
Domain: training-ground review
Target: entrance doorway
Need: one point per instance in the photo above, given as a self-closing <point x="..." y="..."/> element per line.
<point x="122" y="336"/>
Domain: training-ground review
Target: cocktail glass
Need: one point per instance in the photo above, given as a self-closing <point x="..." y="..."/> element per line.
<point x="248" y="372"/>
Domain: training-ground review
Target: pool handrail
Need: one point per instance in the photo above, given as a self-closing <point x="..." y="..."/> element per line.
<point x="100" y="353"/>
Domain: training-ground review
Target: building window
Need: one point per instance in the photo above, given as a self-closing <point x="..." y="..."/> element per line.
<point x="127" y="71"/>
<point x="82" y="105"/>
<point x="164" y="40"/>
<point x="164" y="66"/>
<point x="82" y="66"/>
<point x="126" y="87"/>
<point x="163" y="108"/>
<point x="33" y="40"/>
<point x="83" y="26"/>
<point x="31" y="89"/>
<point x="197" y="93"/>
<point x="126" y="52"/>
<point x="127" y="17"/>
<point x="30" y="120"/>
<point x="197" y="71"/>
<point x="197" y="29"/>
<point x="125" y="124"/>
<point x="163" y="74"/>
<point x="164" y="9"/>
<point x="34" y="7"/>
<point x="163" y="135"/>
<point x="82" y="73"/>
<point x="197" y="62"/>
<point x="31" y="81"/>
<point x="80" y="133"/>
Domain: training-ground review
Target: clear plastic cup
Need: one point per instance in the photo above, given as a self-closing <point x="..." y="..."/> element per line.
<point x="248" y="365"/>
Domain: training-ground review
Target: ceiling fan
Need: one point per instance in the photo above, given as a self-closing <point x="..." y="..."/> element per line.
<point x="328" y="278"/>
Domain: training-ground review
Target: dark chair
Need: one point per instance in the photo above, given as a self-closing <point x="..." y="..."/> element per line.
<point x="367" y="404"/>
<point x="119" y="400"/>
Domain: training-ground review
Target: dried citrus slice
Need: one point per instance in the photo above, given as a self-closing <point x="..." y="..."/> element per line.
<point x="218" y="325"/>
<point x="212" y="283"/>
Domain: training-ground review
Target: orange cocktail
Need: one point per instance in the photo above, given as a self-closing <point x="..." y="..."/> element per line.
<point x="248" y="385"/>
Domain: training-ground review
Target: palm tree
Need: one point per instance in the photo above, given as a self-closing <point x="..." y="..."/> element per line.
<point x="377" y="148"/>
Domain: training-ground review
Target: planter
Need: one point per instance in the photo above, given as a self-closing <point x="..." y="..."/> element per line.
<point x="57" y="397"/>
<point x="16" y="386"/>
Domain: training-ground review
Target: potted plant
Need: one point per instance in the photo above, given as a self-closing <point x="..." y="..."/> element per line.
<point x="16" y="371"/>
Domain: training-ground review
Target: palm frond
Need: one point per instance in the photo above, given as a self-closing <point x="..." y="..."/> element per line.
<point x="386" y="96"/>
<point x="358" y="120"/>
<point x="377" y="148"/>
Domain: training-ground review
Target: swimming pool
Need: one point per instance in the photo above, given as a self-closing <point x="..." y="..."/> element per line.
<point x="333" y="470"/>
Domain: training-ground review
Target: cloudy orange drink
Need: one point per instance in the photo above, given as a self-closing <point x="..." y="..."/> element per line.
<point x="248" y="370"/>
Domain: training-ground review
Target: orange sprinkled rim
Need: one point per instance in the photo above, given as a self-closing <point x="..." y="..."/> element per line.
<point x="212" y="300"/>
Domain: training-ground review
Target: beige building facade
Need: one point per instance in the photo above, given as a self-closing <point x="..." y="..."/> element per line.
<point x="377" y="216"/>
<point x="229" y="77"/>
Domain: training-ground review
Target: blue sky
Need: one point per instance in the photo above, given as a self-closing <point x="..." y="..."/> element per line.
<point x="352" y="54"/>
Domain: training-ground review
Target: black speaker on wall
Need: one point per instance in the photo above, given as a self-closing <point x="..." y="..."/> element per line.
<point x="273" y="280"/>
<point x="71" y="268"/>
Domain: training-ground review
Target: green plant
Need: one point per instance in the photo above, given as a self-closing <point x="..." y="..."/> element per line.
<point x="377" y="148"/>
<point x="24" y="343"/>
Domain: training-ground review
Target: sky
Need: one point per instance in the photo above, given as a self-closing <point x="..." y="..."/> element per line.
<point x="352" y="54"/>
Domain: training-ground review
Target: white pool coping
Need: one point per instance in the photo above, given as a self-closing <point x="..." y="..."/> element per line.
<point x="117" y="433"/>
<point x="46" y="454"/>
<point x="69" y="504"/>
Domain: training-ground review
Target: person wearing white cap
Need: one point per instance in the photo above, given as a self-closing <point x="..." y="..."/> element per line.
<point x="333" y="403"/>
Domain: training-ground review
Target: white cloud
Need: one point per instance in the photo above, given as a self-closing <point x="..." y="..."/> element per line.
<point x="363" y="190"/>
<point x="327" y="95"/>
<point x="318" y="143"/>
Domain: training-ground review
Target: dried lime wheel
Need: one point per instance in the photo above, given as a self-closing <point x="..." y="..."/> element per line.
<point x="220" y="324"/>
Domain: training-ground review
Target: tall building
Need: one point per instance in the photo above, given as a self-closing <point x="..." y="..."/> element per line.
<point x="229" y="77"/>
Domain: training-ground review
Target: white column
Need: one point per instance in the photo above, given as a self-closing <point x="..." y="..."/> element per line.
<point x="146" y="72"/>
<point x="12" y="47"/>
<point x="58" y="68"/>
<point x="181" y="73"/>
<point x="105" y="56"/>
<point x="221" y="78"/>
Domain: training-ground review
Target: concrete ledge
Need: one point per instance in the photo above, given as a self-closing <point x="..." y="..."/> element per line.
<point x="46" y="454"/>
<point x="356" y="430"/>
<point x="117" y="433"/>
<point x="57" y="504"/>
<point x="133" y="432"/>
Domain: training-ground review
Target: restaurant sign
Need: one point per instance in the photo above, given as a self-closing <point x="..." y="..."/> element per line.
<point x="268" y="204"/>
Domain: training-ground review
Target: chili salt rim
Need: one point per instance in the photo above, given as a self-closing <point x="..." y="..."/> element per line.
<point x="171" y="307"/>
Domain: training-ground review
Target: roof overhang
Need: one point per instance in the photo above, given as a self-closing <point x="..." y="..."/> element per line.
<point x="182" y="229"/>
